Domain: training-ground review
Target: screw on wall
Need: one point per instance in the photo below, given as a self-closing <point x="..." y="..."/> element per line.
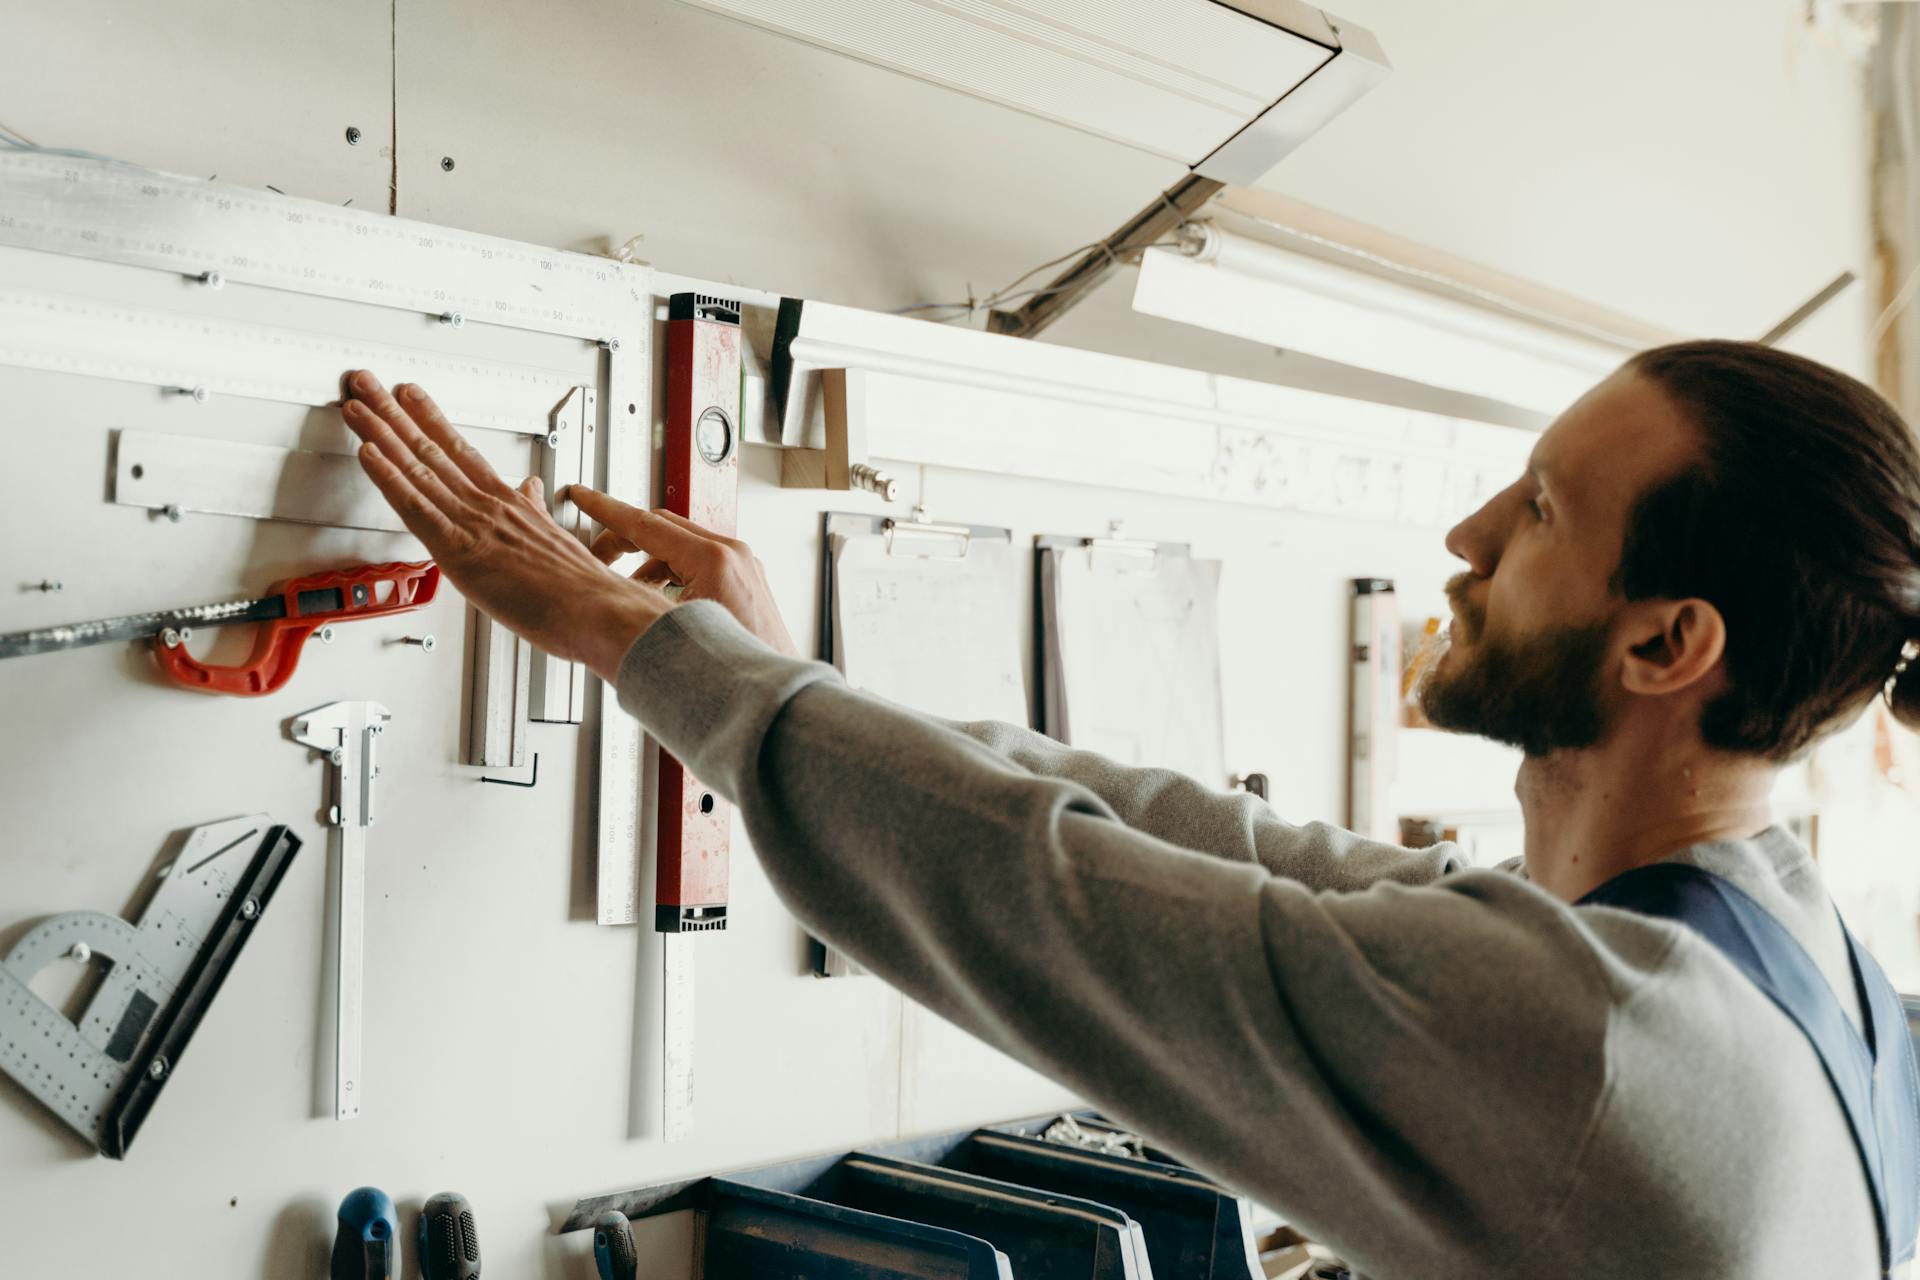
<point x="353" y="136"/>
<point x="446" y="164"/>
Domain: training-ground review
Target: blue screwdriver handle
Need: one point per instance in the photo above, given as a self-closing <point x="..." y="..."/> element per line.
<point x="363" y="1246"/>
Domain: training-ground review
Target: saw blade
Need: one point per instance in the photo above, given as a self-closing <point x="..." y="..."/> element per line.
<point x="137" y="626"/>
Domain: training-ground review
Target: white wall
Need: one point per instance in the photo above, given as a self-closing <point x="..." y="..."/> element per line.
<point x="1699" y="164"/>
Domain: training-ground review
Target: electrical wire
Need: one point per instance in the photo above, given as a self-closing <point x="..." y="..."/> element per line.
<point x="16" y="142"/>
<point x="1006" y="293"/>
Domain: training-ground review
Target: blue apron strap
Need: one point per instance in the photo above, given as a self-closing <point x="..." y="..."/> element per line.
<point x="1896" y="1097"/>
<point x="1875" y="1079"/>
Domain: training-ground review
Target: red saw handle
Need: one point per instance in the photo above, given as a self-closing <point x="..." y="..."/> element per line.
<point x="277" y="643"/>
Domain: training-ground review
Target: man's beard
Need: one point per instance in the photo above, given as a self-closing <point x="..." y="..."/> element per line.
<point x="1540" y="693"/>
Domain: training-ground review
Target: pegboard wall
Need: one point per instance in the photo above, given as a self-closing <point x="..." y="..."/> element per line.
<point x="511" y="1044"/>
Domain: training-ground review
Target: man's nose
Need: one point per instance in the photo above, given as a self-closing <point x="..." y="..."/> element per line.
<point x="1474" y="540"/>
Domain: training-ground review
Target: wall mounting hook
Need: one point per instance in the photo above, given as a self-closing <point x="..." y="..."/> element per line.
<point x="530" y="783"/>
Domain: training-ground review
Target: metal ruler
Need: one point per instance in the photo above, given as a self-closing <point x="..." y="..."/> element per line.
<point x="103" y="1074"/>
<point x="121" y="213"/>
<point x="348" y="734"/>
<point x="204" y="356"/>
<point x="677" y="972"/>
<point x="621" y="832"/>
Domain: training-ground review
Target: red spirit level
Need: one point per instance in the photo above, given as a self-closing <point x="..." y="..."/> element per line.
<point x="703" y="484"/>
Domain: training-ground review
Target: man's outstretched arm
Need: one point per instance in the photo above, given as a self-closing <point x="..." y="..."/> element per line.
<point x="1239" y="827"/>
<point x="1353" y="1059"/>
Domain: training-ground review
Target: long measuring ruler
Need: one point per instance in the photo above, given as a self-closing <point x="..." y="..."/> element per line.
<point x="620" y="830"/>
<point x="121" y="213"/>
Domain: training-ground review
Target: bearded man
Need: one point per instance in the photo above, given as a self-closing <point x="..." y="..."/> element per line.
<point x="1648" y="1049"/>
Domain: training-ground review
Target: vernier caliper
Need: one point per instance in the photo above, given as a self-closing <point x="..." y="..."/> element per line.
<point x="347" y="733"/>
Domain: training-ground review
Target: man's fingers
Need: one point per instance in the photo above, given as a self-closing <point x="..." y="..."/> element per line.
<point x="611" y="512"/>
<point x="693" y="526"/>
<point x="368" y="391"/>
<point x="679" y="541"/>
<point x="659" y="529"/>
<point x="533" y="491"/>
<point x="424" y="520"/>
<point x="433" y="424"/>
<point x="376" y="431"/>
<point x="609" y="546"/>
<point x="655" y="572"/>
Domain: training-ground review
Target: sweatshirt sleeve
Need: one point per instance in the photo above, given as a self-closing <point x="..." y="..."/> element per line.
<point x="1427" y="1056"/>
<point x="1230" y="825"/>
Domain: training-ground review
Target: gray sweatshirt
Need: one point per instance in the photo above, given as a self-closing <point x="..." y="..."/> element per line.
<point x="1437" y="1071"/>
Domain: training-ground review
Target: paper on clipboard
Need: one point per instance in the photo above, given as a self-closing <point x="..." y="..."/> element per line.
<point x="936" y="632"/>
<point x="933" y="622"/>
<point x="1137" y="638"/>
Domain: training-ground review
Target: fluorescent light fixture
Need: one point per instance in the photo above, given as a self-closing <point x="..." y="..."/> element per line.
<point x="1239" y="286"/>
<point x="1225" y="87"/>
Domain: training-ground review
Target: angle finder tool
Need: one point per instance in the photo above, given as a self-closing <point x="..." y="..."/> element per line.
<point x="702" y="467"/>
<point x="296" y="610"/>
<point x="102" y="1074"/>
<point x="347" y="735"/>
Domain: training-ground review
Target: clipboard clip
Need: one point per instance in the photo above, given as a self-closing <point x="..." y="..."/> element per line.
<point x="1132" y="555"/>
<point x="925" y="539"/>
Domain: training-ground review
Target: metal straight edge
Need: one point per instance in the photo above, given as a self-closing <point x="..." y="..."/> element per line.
<point x="123" y="213"/>
<point x="498" y="717"/>
<point x="625" y="463"/>
<point x="676" y="1027"/>
<point x="157" y="472"/>
<point x="559" y="688"/>
<point x="350" y="971"/>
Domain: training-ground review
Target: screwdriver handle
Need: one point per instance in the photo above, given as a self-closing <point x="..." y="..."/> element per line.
<point x="364" y="1245"/>
<point x="613" y="1254"/>
<point x="277" y="642"/>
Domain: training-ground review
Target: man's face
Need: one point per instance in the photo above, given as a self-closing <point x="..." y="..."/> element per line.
<point x="1530" y="659"/>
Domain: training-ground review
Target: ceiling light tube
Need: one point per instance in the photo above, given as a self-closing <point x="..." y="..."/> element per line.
<point x="1235" y="285"/>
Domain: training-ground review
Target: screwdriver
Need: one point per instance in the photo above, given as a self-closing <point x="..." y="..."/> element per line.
<point x="363" y="1243"/>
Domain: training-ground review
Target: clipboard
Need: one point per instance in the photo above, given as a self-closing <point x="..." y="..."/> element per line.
<point x="1127" y="641"/>
<point x="925" y="614"/>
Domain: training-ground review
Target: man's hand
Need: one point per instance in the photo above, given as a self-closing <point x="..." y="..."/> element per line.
<point x="501" y="549"/>
<point x="702" y="563"/>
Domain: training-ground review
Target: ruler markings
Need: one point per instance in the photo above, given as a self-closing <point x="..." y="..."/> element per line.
<point x="125" y="214"/>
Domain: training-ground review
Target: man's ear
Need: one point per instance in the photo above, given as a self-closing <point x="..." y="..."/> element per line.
<point x="1670" y="645"/>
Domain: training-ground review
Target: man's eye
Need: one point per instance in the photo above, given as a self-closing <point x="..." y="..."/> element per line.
<point x="1539" y="512"/>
